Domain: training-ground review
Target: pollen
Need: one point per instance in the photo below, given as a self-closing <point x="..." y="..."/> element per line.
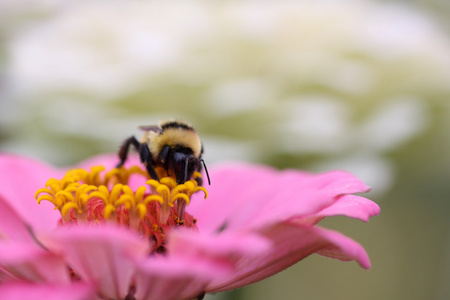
<point x="98" y="196"/>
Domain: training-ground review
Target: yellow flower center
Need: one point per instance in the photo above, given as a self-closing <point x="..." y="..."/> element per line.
<point x="83" y="196"/>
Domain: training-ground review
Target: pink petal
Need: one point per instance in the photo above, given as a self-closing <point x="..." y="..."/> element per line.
<point x="27" y="291"/>
<point x="20" y="178"/>
<point x="219" y="248"/>
<point x="172" y="277"/>
<point x="5" y="275"/>
<point x="292" y="242"/>
<point x="351" y="206"/>
<point x="12" y="226"/>
<point x="193" y="260"/>
<point x="31" y="262"/>
<point x="254" y="196"/>
<point x="231" y="186"/>
<point x="109" y="161"/>
<point x="220" y="251"/>
<point x="343" y="248"/>
<point x="101" y="254"/>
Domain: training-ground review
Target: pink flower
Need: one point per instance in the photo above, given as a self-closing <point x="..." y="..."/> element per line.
<point x="126" y="240"/>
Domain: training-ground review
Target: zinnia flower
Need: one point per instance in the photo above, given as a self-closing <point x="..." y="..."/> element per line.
<point x="105" y="233"/>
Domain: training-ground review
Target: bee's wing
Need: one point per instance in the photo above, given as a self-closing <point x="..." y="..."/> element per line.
<point x="154" y="128"/>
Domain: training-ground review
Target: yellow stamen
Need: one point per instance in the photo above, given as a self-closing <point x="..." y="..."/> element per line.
<point x="52" y="181"/>
<point x="66" y="196"/>
<point x="200" y="188"/>
<point x="140" y="192"/>
<point x="142" y="210"/>
<point x="44" y="190"/>
<point x="83" y="191"/>
<point x="111" y="174"/>
<point x="179" y="189"/>
<point x="110" y="191"/>
<point x="151" y="198"/>
<point x="65" y="209"/>
<point x="100" y="195"/>
<point x="153" y="183"/>
<point x="109" y="209"/>
<point x="169" y="181"/>
<point x="126" y="200"/>
<point x="181" y="196"/>
<point x="94" y="177"/>
<point x="116" y="191"/>
<point x="50" y="198"/>
<point x="122" y="175"/>
<point x="65" y="182"/>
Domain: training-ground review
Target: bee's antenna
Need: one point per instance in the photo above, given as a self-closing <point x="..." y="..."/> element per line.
<point x="206" y="171"/>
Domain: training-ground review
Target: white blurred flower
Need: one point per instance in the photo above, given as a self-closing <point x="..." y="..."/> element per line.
<point x="314" y="124"/>
<point x="109" y="48"/>
<point x="102" y="48"/>
<point x="226" y="97"/>
<point x="393" y="124"/>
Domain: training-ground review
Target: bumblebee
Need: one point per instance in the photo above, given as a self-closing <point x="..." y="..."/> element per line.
<point x="172" y="145"/>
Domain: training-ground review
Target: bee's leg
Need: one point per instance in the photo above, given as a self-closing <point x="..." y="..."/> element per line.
<point x="146" y="159"/>
<point x="123" y="152"/>
<point x="144" y="154"/>
<point x="164" y="156"/>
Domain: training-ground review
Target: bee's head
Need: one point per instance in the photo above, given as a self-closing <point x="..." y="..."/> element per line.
<point x="184" y="164"/>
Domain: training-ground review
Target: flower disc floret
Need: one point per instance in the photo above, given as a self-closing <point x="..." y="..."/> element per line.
<point x="168" y="192"/>
<point x="90" y="196"/>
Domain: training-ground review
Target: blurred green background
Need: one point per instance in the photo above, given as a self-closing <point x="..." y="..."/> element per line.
<point x="357" y="85"/>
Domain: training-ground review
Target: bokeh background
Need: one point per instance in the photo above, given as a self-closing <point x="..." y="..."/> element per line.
<point x="357" y="85"/>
